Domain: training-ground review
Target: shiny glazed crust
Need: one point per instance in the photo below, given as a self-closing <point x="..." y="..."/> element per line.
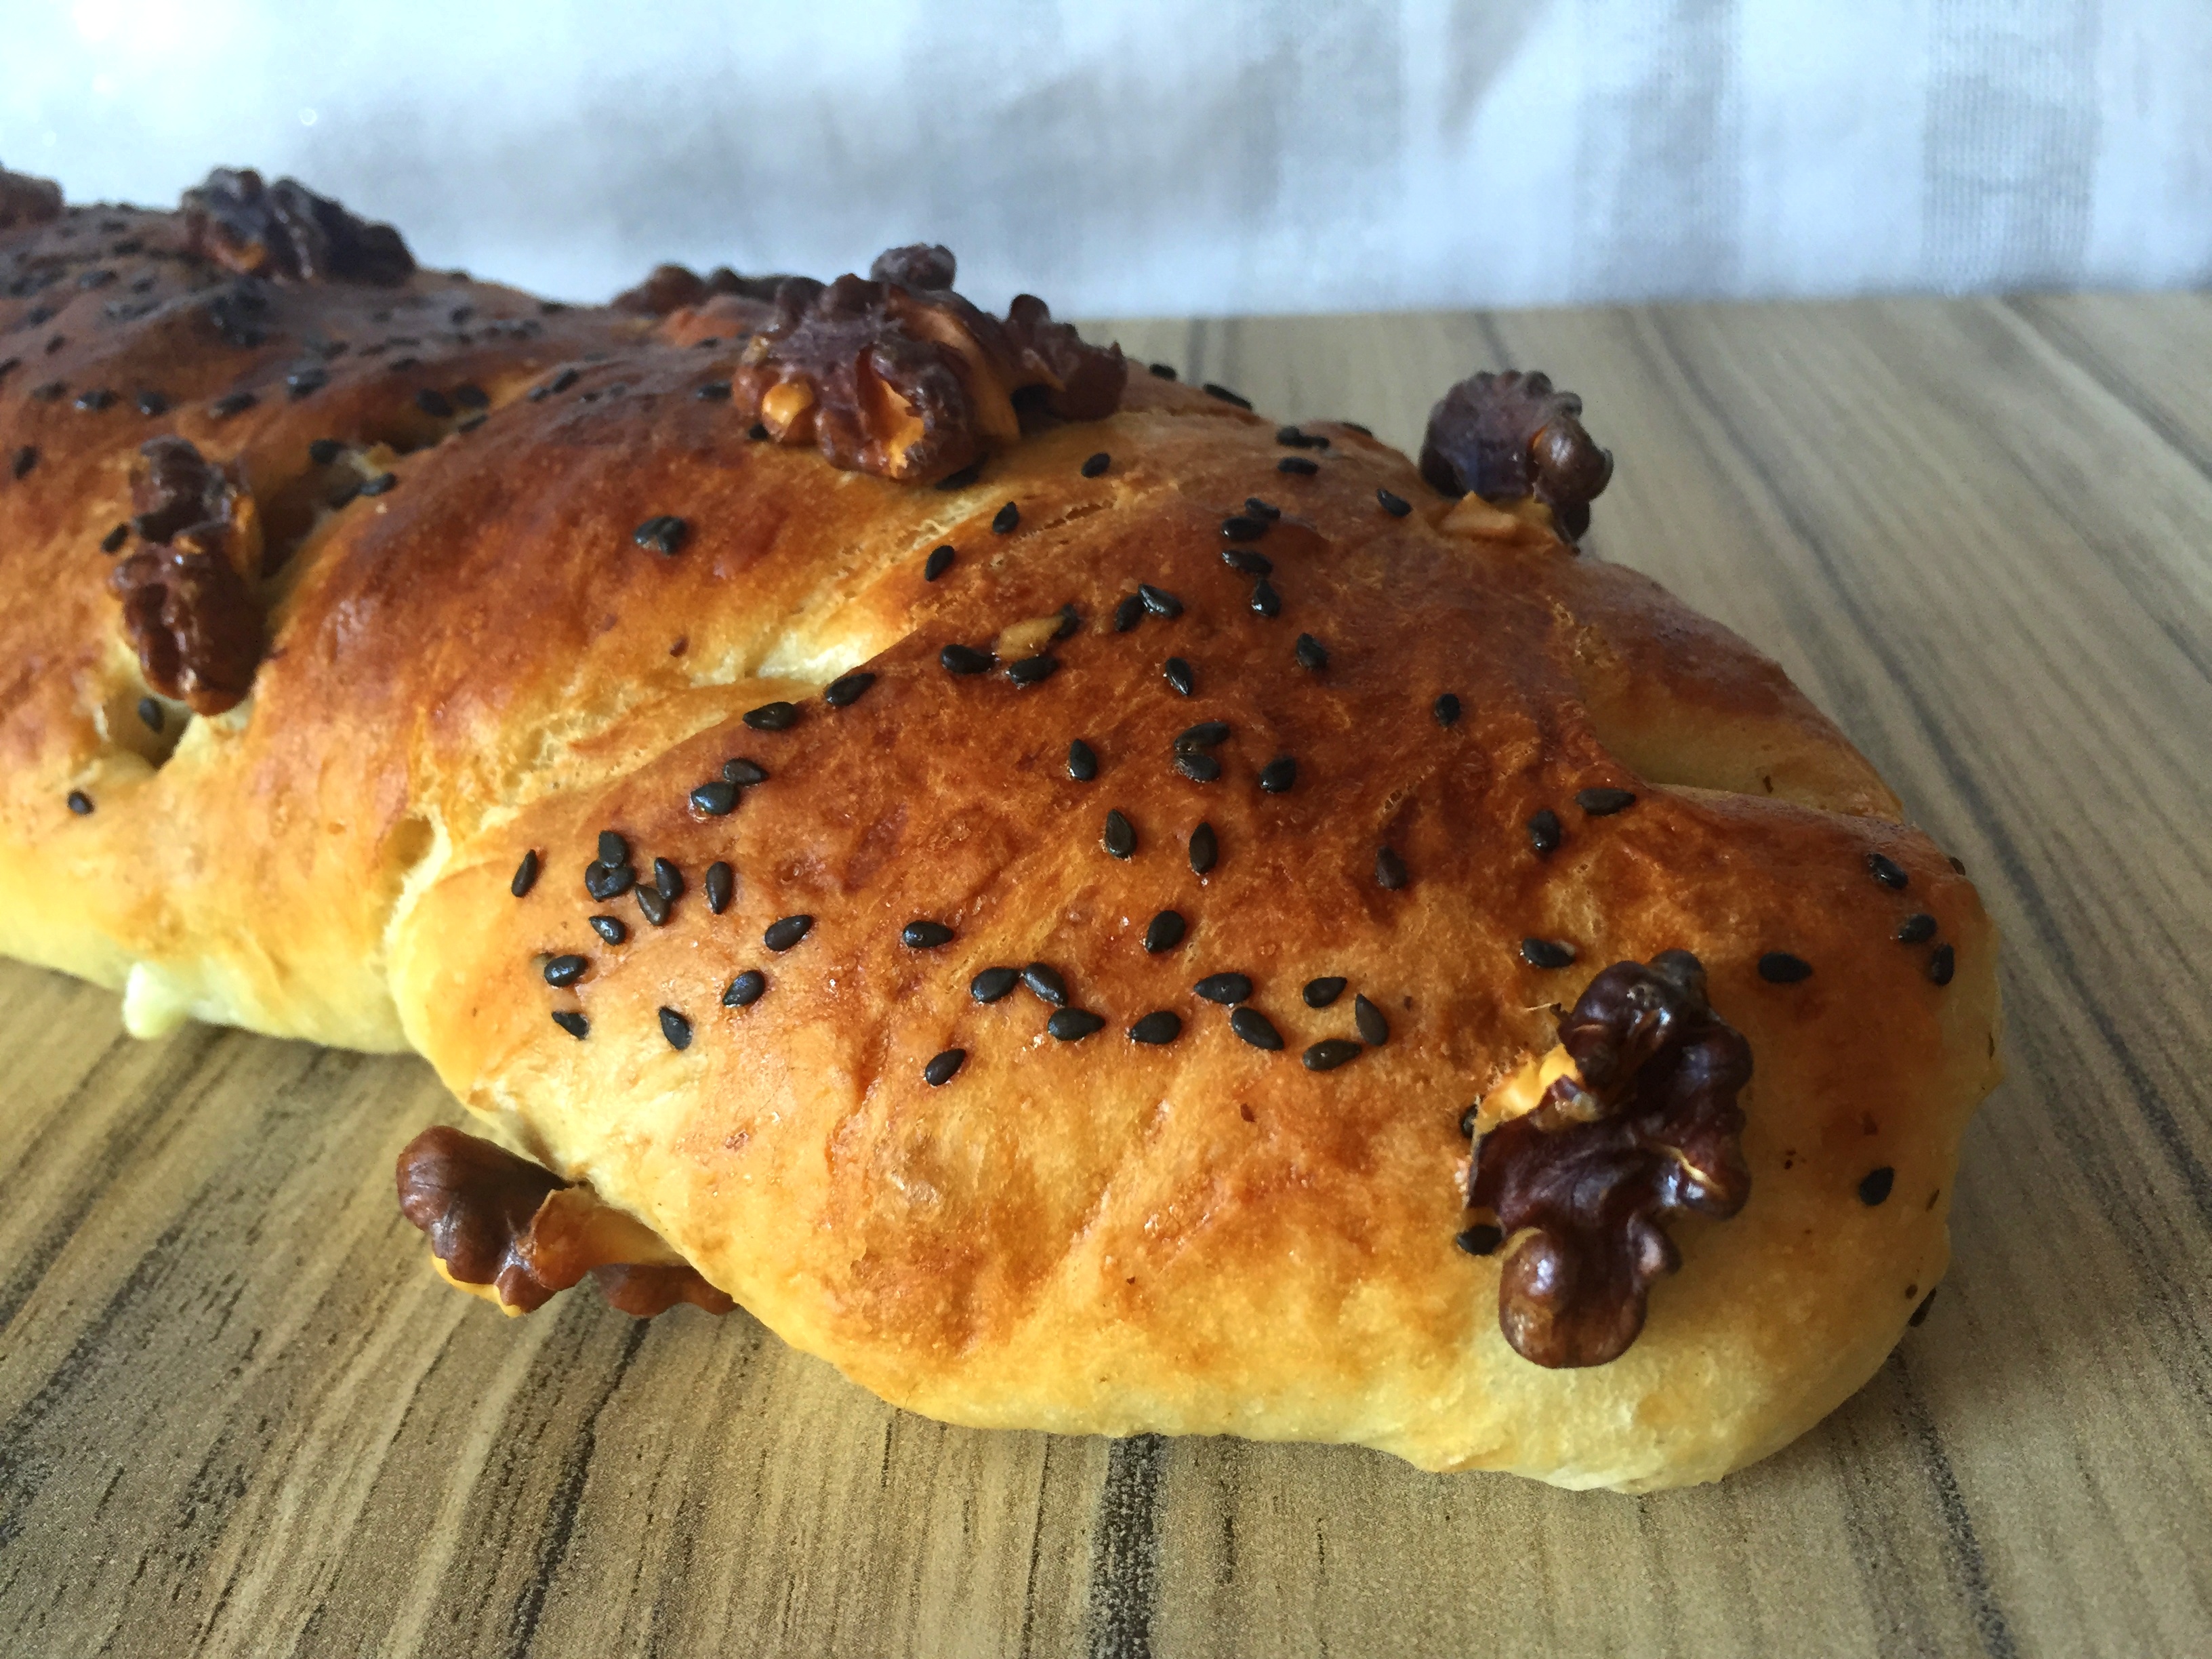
<point x="1096" y="1236"/>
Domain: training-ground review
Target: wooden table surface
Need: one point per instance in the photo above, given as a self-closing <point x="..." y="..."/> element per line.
<point x="239" y="1416"/>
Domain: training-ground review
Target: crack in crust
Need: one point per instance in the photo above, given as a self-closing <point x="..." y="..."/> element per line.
<point x="1509" y="436"/>
<point x="285" y="229"/>
<point x="25" y="200"/>
<point x="190" y="614"/>
<point x="497" y="1219"/>
<point x="894" y="373"/>
<point x="1582" y="1184"/>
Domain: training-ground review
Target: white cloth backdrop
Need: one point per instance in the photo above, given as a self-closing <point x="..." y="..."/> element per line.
<point x="1126" y="157"/>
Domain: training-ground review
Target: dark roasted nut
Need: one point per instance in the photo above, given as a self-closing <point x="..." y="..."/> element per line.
<point x="1581" y="1184"/>
<point x="668" y="288"/>
<point x="28" y="201"/>
<point x="190" y="613"/>
<point x="1505" y="436"/>
<point x="897" y="374"/>
<point x="286" y="230"/>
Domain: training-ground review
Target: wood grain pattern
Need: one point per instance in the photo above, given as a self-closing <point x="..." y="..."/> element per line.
<point x="238" y="1416"/>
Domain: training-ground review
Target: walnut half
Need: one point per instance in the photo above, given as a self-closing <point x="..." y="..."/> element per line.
<point x="1506" y="437"/>
<point x="1643" y="1128"/>
<point x="286" y="230"/>
<point x="517" y="1230"/>
<point x="191" y="614"/>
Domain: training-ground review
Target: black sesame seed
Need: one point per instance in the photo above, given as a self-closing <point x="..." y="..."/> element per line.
<point x="1238" y="528"/>
<point x="719" y="883"/>
<point x="951" y="481"/>
<point x="1958" y="864"/>
<point x="1887" y="872"/>
<point x="561" y="381"/>
<point x="1179" y="675"/>
<point x="845" y="690"/>
<point x="1875" y="1185"/>
<point x="1225" y="988"/>
<point x="1917" y="929"/>
<point x="433" y="402"/>
<point x="79" y="802"/>
<point x="655" y="905"/>
<point x="1396" y="505"/>
<point x="667" y="880"/>
<point x="1373" y="1030"/>
<point x="152" y="402"/>
<point x="942" y="1067"/>
<point x="114" y="540"/>
<point x="745" y="989"/>
<point x="573" y="1022"/>
<point x="1546" y="952"/>
<point x="1921" y="1312"/>
<point x="1073" y="1024"/>
<point x="1298" y="438"/>
<point x="1082" y="762"/>
<point x="606" y="881"/>
<point x="1780" y="968"/>
<point x="1005" y="519"/>
<point x="323" y="451"/>
<point x="1204" y="848"/>
<point x="663" y="534"/>
<point x="566" y="969"/>
<point x="149" y="715"/>
<point x="965" y="659"/>
<point x="1262" y="509"/>
<point x="1604" y="803"/>
<point x="1164" y="1025"/>
<point x="759" y="433"/>
<point x="1467" y="1120"/>
<point x="1330" y="1053"/>
<point x="1163" y="371"/>
<point x="236" y="403"/>
<point x="1389" y="869"/>
<point x="1320" y="993"/>
<point x="1277" y="776"/>
<point x="306" y="382"/>
<point x="1046" y="982"/>
<point x="1128" y="614"/>
<point x="98" y="398"/>
<point x="1942" y="962"/>
<point x="469" y="396"/>
<point x="1165" y="933"/>
<point x="382" y="483"/>
<point x="1265" y="600"/>
<point x="1158" y="600"/>
<point x="25" y="458"/>
<point x="1255" y="1028"/>
<point x="925" y="935"/>
<point x="1545" y="831"/>
<point x="1482" y="1239"/>
<point x="743" y="772"/>
<point x="609" y="928"/>
<point x="526" y="873"/>
<point x="939" y="562"/>
<point x="1033" y="670"/>
<point x="612" y="848"/>
<point x="714" y="392"/>
<point x="676" y="1028"/>
<point x="773" y="717"/>
<point x="1446" y="710"/>
<point x="1298" y="466"/>
<point x="1094" y="464"/>
<point x="1206" y="734"/>
<point x="782" y="935"/>
<point x="1070" y="622"/>
<point x="1245" y="560"/>
<point x="1120" y="838"/>
<point x="716" y="799"/>
<point x="1225" y="395"/>
<point x="1197" y="767"/>
<point x="1311" y="654"/>
<point x="48" y="393"/>
<point x="992" y="983"/>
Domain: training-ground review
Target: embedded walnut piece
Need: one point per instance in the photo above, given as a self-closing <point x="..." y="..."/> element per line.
<point x="497" y="1220"/>
<point x="1581" y="1184"/>
<point x="28" y="201"/>
<point x="285" y="229"/>
<point x="671" y="288"/>
<point x="1505" y="436"/>
<point x="190" y="616"/>
<point x="897" y="374"/>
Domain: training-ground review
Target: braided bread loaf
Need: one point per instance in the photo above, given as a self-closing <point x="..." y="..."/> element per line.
<point x="1084" y="910"/>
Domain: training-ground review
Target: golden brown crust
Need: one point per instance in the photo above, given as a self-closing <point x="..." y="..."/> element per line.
<point x="499" y="654"/>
